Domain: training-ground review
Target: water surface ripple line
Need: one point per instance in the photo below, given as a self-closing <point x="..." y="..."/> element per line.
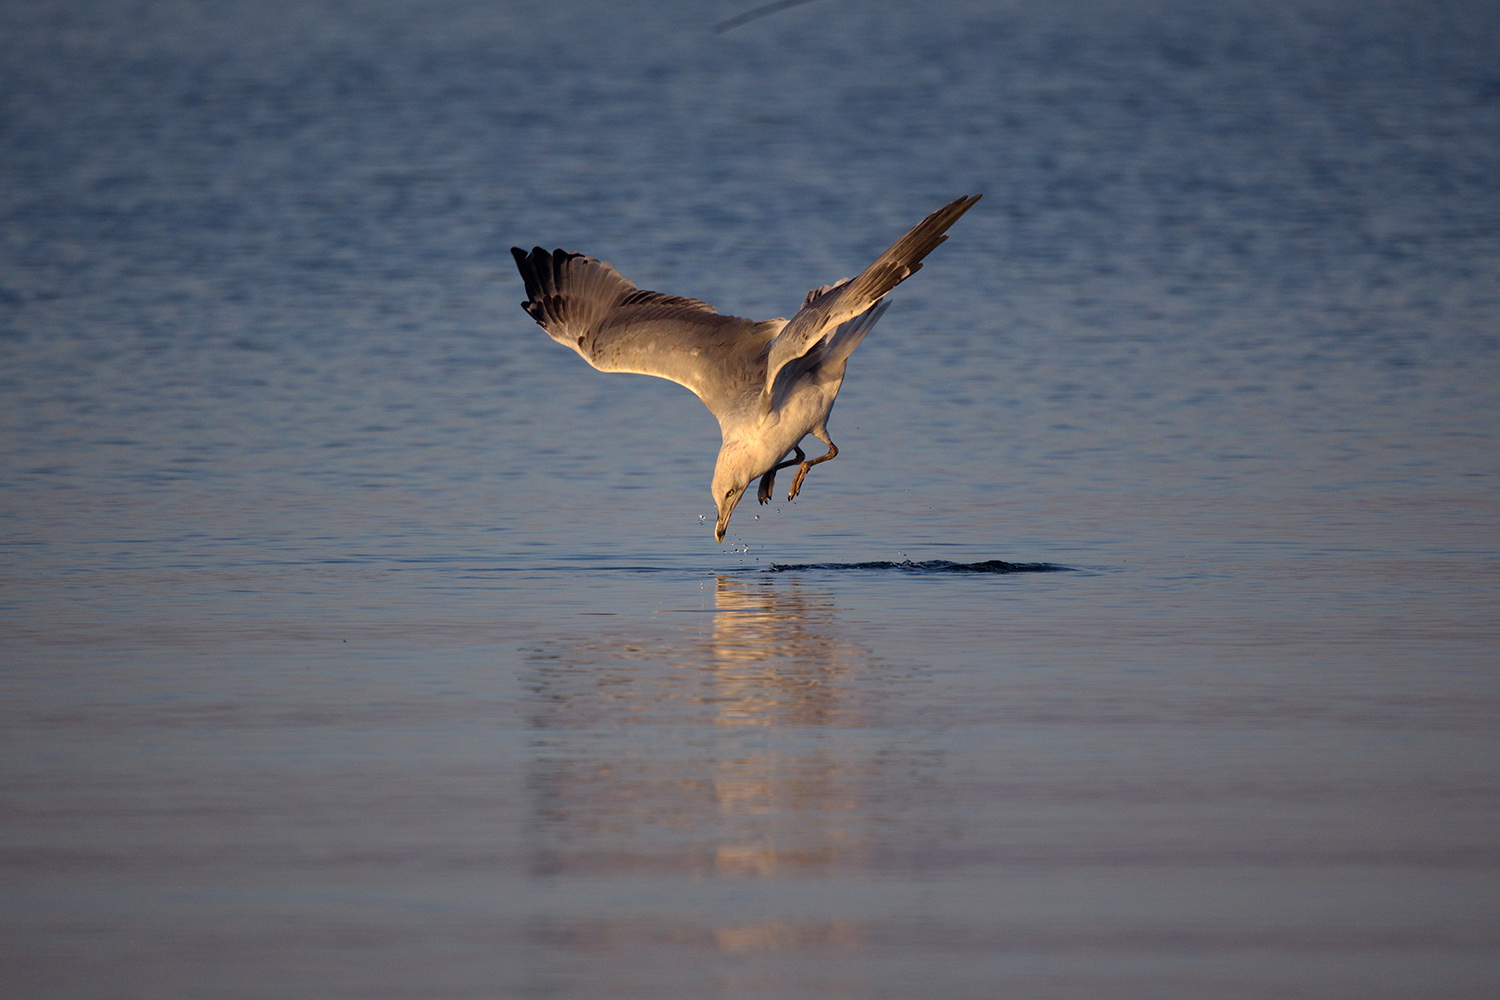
<point x="927" y="566"/>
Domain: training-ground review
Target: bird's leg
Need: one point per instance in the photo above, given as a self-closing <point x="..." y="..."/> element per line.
<point x="768" y="481"/>
<point x="833" y="451"/>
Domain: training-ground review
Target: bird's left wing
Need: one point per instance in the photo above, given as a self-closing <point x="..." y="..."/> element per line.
<point x="829" y="307"/>
<point x="594" y="309"/>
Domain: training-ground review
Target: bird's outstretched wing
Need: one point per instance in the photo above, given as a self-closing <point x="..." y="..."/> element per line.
<point x="827" y="308"/>
<point x="594" y="309"/>
<point x="828" y="354"/>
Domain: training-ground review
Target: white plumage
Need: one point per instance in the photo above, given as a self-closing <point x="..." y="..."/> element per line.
<point x="769" y="383"/>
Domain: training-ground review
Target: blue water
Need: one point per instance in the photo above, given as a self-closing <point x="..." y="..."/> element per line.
<point x="359" y="641"/>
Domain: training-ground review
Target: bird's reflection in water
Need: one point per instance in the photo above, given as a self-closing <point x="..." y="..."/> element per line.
<point x="776" y="654"/>
<point x="777" y="663"/>
<point x="736" y="746"/>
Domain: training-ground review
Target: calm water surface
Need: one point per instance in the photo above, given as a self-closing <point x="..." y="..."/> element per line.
<point x="360" y="642"/>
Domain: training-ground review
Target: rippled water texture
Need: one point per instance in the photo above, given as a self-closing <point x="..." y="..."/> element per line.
<point x="359" y="641"/>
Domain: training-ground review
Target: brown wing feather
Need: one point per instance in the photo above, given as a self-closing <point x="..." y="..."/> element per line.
<point x="827" y="307"/>
<point x="591" y="307"/>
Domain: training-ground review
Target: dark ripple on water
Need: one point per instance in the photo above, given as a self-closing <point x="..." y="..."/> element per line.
<point x="926" y="567"/>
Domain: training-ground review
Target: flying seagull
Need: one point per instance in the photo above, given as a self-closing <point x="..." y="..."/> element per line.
<point x="770" y="384"/>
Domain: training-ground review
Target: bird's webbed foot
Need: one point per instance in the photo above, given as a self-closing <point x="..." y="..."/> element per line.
<point x="767" y="484"/>
<point x="768" y="481"/>
<point x="797" y="481"/>
<point x="807" y="466"/>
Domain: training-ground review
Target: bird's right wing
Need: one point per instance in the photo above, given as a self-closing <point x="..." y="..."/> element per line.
<point x="829" y="307"/>
<point x="594" y="309"/>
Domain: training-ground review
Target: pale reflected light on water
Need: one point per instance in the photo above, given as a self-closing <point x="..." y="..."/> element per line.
<point x="356" y="641"/>
<point x="765" y="682"/>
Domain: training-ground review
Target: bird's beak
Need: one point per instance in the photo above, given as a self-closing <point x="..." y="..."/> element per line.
<point x="724" y="513"/>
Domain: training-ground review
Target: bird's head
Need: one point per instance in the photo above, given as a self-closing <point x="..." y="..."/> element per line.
<point x="730" y="481"/>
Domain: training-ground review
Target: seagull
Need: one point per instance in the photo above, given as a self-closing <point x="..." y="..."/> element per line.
<point x="769" y="383"/>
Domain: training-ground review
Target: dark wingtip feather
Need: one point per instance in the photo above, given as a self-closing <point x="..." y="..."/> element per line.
<point x="528" y="272"/>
